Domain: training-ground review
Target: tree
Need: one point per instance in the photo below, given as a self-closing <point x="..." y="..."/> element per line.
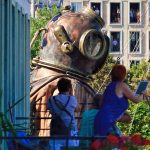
<point x="139" y="72"/>
<point x="101" y="79"/>
<point x="139" y="112"/>
<point x="43" y="17"/>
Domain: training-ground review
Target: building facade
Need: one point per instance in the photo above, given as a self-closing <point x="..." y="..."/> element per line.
<point x="15" y="59"/>
<point x="127" y="23"/>
<point x="37" y="4"/>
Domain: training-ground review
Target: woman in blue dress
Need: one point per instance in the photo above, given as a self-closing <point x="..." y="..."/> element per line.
<point x="115" y="102"/>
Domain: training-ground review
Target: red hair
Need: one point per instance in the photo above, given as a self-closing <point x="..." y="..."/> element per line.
<point x="118" y="72"/>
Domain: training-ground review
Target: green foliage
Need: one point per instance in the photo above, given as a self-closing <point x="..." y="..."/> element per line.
<point x="101" y="79"/>
<point x="43" y="16"/>
<point x="140" y="114"/>
<point x="5" y="124"/>
<point x="141" y="119"/>
<point x="137" y="73"/>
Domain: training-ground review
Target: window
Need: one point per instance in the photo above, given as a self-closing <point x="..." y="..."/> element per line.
<point x="96" y="7"/>
<point x="76" y="6"/>
<point x="134" y="41"/>
<point x="134" y="62"/>
<point x="115" y="13"/>
<point x="134" y="14"/>
<point x="115" y="39"/>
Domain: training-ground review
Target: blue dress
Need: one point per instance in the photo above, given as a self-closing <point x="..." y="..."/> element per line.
<point x="112" y="109"/>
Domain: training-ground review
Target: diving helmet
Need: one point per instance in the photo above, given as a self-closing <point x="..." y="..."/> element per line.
<point x="75" y="42"/>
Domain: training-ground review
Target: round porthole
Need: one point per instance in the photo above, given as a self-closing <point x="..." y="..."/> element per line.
<point x="92" y="43"/>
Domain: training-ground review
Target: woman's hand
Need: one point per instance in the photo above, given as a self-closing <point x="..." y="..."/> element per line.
<point x="145" y="93"/>
<point x="126" y="118"/>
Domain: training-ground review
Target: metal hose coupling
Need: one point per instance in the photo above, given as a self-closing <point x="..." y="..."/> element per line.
<point x="62" y="36"/>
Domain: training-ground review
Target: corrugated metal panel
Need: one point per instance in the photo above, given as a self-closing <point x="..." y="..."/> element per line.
<point x="27" y="62"/>
<point x="1" y="53"/>
<point x="14" y="59"/>
<point x="10" y="52"/>
<point x="6" y="54"/>
<point x="13" y="55"/>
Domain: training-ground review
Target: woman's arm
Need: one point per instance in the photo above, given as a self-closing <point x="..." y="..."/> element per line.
<point x="126" y="118"/>
<point x="130" y="95"/>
